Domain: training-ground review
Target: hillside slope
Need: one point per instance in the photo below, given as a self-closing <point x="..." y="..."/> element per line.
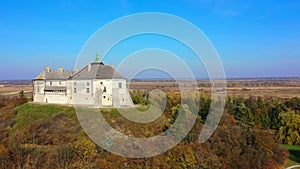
<point x="50" y="136"/>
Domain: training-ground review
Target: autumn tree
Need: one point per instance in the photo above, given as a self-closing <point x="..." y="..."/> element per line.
<point x="64" y="155"/>
<point x="289" y="132"/>
<point x="86" y="150"/>
<point x="4" y="156"/>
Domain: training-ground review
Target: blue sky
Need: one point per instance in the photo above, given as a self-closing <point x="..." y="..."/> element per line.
<point x="253" y="38"/>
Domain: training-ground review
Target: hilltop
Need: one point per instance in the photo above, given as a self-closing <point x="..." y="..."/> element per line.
<point x="50" y="136"/>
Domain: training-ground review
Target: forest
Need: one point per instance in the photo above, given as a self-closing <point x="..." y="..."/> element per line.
<point x="249" y="135"/>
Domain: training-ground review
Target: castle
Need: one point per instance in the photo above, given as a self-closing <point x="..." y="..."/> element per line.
<point x="95" y="85"/>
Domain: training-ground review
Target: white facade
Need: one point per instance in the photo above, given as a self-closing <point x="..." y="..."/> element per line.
<point x="95" y="92"/>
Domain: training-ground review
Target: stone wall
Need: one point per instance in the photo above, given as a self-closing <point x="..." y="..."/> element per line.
<point x="96" y="92"/>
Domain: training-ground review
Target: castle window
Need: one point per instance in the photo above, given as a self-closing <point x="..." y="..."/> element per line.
<point x="103" y="97"/>
<point x="101" y="82"/>
<point x="120" y="85"/>
<point x="74" y="83"/>
<point x="88" y="90"/>
<point x="75" y="90"/>
<point x="50" y="83"/>
<point x="59" y="82"/>
<point x="104" y="89"/>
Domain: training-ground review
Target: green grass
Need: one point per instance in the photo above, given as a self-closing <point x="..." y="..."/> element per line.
<point x="142" y="108"/>
<point x="29" y="113"/>
<point x="294" y="150"/>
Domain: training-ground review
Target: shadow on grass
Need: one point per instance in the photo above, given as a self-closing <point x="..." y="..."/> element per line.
<point x="295" y="155"/>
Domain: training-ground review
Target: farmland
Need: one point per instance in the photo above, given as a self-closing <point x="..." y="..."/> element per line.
<point x="265" y="87"/>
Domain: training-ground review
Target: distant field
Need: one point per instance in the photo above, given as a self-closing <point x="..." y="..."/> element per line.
<point x="284" y="88"/>
<point x="283" y="91"/>
<point x="15" y="90"/>
<point x="279" y="87"/>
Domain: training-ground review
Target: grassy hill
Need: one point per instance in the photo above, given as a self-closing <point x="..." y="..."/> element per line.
<point x="33" y="113"/>
<point x="50" y="136"/>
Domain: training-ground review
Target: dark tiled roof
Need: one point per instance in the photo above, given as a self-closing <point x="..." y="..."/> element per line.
<point x="58" y="74"/>
<point x="55" y="75"/>
<point x="97" y="71"/>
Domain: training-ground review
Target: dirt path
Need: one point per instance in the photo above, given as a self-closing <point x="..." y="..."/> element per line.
<point x="294" y="166"/>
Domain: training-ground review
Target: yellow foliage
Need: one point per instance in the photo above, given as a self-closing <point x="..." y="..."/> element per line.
<point x="3" y="151"/>
<point x="86" y="148"/>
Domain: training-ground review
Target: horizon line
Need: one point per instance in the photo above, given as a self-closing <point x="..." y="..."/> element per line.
<point x="172" y="79"/>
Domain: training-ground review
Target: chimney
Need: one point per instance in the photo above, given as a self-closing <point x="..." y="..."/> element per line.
<point x="61" y="69"/>
<point x="89" y="67"/>
<point x="47" y="68"/>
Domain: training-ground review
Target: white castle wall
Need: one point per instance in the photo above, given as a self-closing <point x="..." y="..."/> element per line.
<point x="82" y="92"/>
<point x="96" y="92"/>
<point x="38" y="91"/>
<point x="56" y="98"/>
<point x="59" y="83"/>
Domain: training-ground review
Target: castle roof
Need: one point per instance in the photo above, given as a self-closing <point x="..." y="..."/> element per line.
<point x="58" y="75"/>
<point x="97" y="70"/>
<point x="48" y="74"/>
